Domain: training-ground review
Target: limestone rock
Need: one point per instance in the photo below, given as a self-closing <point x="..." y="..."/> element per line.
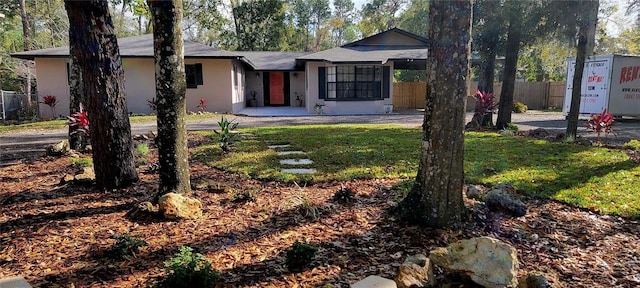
<point x="176" y="206"/>
<point x="501" y="200"/>
<point x="152" y="134"/>
<point x="534" y="280"/>
<point x="487" y="261"/>
<point x="142" y="209"/>
<point x="539" y="133"/>
<point x="506" y="186"/>
<point x="375" y="282"/>
<point x="59" y="149"/>
<point x="475" y="192"/>
<point x="66" y="179"/>
<point x="416" y="271"/>
<point x="14" y="282"/>
<point x="211" y="186"/>
<point x="140" y="137"/>
<point x="86" y="177"/>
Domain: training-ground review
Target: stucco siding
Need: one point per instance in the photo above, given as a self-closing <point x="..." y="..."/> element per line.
<point x="139" y="84"/>
<point x="238" y="82"/>
<point x="51" y="74"/>
<point x="297" y="86"/>
<point x="217" y="87"/>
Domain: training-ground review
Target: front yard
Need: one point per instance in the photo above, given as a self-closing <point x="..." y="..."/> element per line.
<point x="59" y="235"/>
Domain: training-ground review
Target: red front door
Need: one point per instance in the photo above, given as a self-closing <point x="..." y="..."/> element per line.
<point x="276" y="88"/>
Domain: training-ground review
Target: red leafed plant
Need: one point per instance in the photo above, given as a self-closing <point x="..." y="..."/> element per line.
<point x="51" y="101"/>
<point x="484" y="103"/>
<point x="202" y="105"/>
<point x="80" y="120"/>
<point x="602" y="122"/>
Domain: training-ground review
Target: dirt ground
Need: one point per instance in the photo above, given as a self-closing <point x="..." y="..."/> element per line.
<point x="59" y="235"/>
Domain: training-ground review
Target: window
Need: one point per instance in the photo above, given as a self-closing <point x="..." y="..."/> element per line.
<point x="354" y="82"/>
<point x="193" y="74"/>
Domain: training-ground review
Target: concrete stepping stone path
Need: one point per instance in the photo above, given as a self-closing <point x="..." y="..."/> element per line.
<point x="296" y="162"/>
<point x="281" y="153"/>
<point x="299" y="170"/>
<point x="303" y="161"/>
<point x="275" y="147"/>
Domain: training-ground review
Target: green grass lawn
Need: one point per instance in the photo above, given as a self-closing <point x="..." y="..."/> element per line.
<point x="61" y="124"/>
<point x="596" y="178"/>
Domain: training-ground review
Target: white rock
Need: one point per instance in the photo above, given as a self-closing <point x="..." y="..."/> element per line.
<point x="487" y="261"/>
<point x="375" y="282"/>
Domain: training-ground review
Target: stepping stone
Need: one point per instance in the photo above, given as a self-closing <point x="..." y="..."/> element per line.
<point x="289" y="152"/>
<point x="375" y="282"/>
<point x="296" y="162"/>
<point x="278" y="146"/>
<point x="299" y="170"/>
<point x="14" y="282"/>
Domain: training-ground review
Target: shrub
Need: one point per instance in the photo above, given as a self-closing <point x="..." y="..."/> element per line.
<point x="51" y="101"/>
<point x="484" y="103"/>
<point x="80" y="163"/>
<point x="226" y="137"/>
<point x="80" y="120"/>
<point x="519" y="107"/>
<point x="300" y="256"/>
<point x="188" y="269"/>
<point x="126" y="246"/>
<point x="512" y="127"/>
<point x="344" y="195"/>
<point x="599" y="123"/>
<point x="142" y="149"/>
<point x="202" y="105"/>
<point x="634" y="144"/>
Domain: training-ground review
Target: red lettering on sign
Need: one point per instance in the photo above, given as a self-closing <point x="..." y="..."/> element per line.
<point x="595" y="78"/>
<point x="630" y="73"/>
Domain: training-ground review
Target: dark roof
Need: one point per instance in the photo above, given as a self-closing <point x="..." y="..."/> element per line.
<point x="395" y="45"/>
<point x="379" y="39"/>
<point x="136" y="46"/>
<point x="284" y="61"/>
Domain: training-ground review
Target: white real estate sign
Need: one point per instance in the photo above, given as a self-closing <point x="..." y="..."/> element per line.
<point x="595" y="86"/>
<point x="609" y="82"/>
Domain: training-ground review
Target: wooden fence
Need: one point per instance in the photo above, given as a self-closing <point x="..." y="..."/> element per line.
<point x="409" y="95"/>
<point x="536" y="95"/>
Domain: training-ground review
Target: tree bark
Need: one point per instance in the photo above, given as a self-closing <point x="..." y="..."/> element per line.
<point x="585" y="45"/>
<point x="26" y="37"/>
<point x="487" y="76"/>
<point x="436" y="197"/>
<point x="77" y="139"/>
<point x="171" y="90"/>
<point x="91" y="28"/>
<point x="505" y="106"/>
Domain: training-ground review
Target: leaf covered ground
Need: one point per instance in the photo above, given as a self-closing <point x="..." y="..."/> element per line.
<point x="59" y="235"/>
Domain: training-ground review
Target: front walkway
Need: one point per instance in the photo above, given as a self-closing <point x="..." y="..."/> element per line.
<point x="274" y="111"/>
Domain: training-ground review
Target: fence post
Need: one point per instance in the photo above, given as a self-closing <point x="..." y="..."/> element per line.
<point x="4" y="115"/>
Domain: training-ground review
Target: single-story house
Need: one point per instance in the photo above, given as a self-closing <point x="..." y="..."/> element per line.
<point x="355" y="78"/>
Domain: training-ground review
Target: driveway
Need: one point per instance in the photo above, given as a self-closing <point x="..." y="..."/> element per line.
<point x="26" y="144"/>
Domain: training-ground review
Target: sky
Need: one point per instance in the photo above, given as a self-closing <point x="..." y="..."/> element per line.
<point x="615" y="24"/>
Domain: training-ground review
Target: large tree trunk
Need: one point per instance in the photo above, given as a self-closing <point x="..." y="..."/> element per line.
<point x="91" y="28"/>
<point x="436" y="197"/>
<point x="512" y="47"/>
<point x="586" y="38"/>
<point x="171" y="88"/>
<point x="26" y="38"/>
<point x="77" y="139"/>
<point x="486" y="77"/>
